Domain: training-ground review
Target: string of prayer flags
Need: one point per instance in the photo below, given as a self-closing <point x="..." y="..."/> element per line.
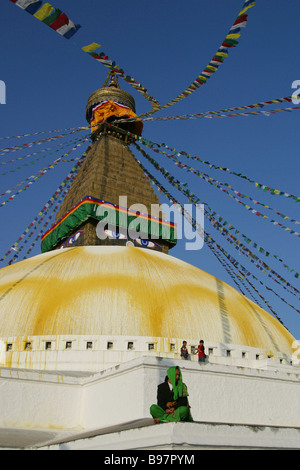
<point x="81" y="128"/>
<point x="237" y="278"/>
<point x="241" y="248"/>
<point x="41" y="173"/>
<point x="34" y="160"/>
<point x="231" y="40"/>
<point x="30" y="234"/>
<point x="265" y="188"/>
<point x="248" y="273"/>
<point x="244" y="273"/>
<point x="59" y="21"/>
<point x="220" y="185"/>
<point x="261" y="104"/>
<point x="102" y="57"/>
<point x="57" y="197"/>
<point x="208" y="239"/>
<point x="240" y="279"/>
<point x="64" y="144"/>
<point x="44" y="209"/>
<point x="221" y="115"/>
<point x="51" y="16"/>
<point x="194" y="199"/>
<point x="37" y="142"/>
<point x="218" y="219"/>
<point x="281" y="298"/>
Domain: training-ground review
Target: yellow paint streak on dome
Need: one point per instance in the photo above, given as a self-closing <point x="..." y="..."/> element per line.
<point x="129" y="291"/>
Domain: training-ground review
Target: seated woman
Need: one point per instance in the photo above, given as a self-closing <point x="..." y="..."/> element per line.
<point x="172" y="401"/>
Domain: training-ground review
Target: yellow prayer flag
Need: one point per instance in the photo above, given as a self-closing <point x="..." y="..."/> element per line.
<point x="242" y="12"/>
<point x="91" y="47"/>
<point x="233" y="36"/>
<point x="210" y="67"/>
<point x="43" y="12"/>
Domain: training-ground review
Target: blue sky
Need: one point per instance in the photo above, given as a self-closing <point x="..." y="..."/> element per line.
<point x="164" y="46"/>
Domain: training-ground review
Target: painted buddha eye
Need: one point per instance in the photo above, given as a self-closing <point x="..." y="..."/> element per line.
<point x="77" y="235"/>
<point x="74" y="237"/>
<point x="116" y="235"/>
<point x="146" y="243"/>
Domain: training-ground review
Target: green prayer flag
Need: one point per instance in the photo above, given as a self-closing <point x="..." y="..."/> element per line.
<point x="51" y="18"/>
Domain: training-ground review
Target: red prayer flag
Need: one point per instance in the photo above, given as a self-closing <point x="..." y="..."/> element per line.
<point x="241" y="19"/>
<point x="62" y="20"/>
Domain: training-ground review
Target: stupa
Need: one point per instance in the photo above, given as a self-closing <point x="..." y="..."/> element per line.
<point x="89" y="327"/>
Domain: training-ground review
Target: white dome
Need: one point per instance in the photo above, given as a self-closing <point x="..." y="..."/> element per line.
<point x="112" y="290"/>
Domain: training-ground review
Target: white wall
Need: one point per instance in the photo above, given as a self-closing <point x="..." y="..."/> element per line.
<point x="37" y="400"/>
<point x="218" y="393"/>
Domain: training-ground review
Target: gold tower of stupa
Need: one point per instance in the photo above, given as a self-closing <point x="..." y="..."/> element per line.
<point x="110" y="179"/>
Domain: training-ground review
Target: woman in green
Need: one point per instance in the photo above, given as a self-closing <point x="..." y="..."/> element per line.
<point x="172" y="401"/>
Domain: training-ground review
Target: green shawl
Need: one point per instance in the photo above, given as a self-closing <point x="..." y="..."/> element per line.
<point x="180" y="390"/>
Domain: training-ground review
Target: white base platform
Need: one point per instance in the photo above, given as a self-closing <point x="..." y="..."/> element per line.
<point x="184" y="436"/>
<point x="232" y="406"/>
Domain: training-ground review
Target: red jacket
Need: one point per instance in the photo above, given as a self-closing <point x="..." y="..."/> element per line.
<point x="201" y="352"/>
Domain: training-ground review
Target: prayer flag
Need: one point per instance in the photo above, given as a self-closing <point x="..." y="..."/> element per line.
<point x="51" y="18"/>
<point x="211" y="68"/>
<point x="23" y="3"/>
<point x="105" y="57"/>
<point x="91" y="47"/>
<point x="31" y="6"/>
<point x="233" y="36"/>
<point x="68" y="30"/>
<point x="44" y="11"/>
<point x="62" y="20"/>
<point x="222" y="53"/>
<point x="240" y="22"/>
